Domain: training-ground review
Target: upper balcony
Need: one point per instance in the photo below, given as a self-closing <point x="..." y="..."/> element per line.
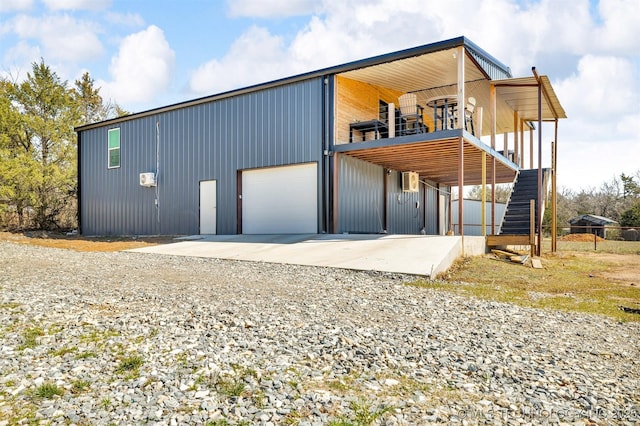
<point x="460" y="100"/>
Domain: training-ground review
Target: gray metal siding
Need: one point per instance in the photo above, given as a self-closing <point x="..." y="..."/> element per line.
<point x="403" y="215"/>
<point x="271" y="127"/>
<point x="431" y="208"/>
<point x="361" y="201"/>
<point x="473" y="216"/>
<point x="360" y="196"/>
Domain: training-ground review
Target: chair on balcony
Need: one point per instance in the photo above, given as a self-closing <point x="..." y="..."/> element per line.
<point x="468" y="115"/>
<point x="411" y="120"/>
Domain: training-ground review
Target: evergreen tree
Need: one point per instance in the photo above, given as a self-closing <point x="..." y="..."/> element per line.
<point x="18" y="166"/>
<point x="44" y="151"/>
<point x="38" y="182"/>
<point x="92" y="107"/>
<point x="631" y="217"/>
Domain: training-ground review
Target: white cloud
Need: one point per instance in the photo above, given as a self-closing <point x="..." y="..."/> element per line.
<point x="141" y="69"/>
<point x="13" y="5"/>
<point x="256" y="56"/>
<point x="127" y="19"/>
<point x="17" y="61"/>
<point x="599" y="139"/>
<point x="620" y="32"/>
<point x="583" y="164"/>
<point x="589" y="48"/>
<point x="77" y="4"/>
<point x="271" y="8"/>
<point x="61" y="36"/>
<point x="350" y="31"/>
<point x="603" y="88"/>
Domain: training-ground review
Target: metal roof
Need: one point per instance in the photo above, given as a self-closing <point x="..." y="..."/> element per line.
<point x="414" y="65"/>
<point x="429" y="70"/>
<point x="521" y="94"/>
<point x="598" y="220"/>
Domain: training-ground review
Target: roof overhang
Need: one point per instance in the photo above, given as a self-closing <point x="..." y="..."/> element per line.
<point x="522" y="94"/>
<point x="404" y="64"/>
<point x="435" y="74"/>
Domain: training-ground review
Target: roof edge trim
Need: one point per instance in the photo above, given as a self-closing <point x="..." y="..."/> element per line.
<point x="336" y="69"/>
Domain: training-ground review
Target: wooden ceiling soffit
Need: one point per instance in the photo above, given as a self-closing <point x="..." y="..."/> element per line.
<point x="436" y="160"/>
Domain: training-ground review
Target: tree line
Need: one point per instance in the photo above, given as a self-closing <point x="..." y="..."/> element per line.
<point x="38" y="146"/>
<point x="618" y="199"/>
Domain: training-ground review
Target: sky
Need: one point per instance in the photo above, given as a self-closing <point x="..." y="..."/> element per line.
<point x="145" y="54"/>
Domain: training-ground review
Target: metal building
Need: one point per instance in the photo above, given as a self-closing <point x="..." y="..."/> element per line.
<point x="473" y="216"/>
<point x="335" y="150"/>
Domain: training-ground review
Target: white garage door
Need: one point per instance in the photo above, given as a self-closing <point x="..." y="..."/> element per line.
<point x="280" y="200"/>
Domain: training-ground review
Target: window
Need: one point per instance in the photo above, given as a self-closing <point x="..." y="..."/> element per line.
<point x="114" y="148"/>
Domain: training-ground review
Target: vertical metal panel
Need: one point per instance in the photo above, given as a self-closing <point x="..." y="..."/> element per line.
<point x="360" y="202"/>
<point x="445" y="209"/>
<point x="473" y="216"/>
<point x="271" y="127"/>
<point x="405" y="209"/>
<point x="431" y="208"/>
<point x="494" y="71"/>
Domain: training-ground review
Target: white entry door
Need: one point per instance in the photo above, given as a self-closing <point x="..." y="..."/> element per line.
<point x="208" y="207"/>
<point x="280" y="200"/>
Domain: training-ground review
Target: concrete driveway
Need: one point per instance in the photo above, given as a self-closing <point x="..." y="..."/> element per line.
<point x="425" y="255"/>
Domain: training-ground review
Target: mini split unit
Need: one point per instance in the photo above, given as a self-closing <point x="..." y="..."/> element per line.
<point x="148" y="179"/>
<point x="410" y="182"/>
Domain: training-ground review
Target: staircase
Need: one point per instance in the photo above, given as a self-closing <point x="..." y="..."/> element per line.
<point x="516" y="219"/>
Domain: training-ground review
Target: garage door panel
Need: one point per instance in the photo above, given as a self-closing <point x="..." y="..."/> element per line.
<point x="280" y="200"/>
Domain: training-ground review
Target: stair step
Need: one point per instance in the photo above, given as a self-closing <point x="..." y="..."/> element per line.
<point x="517" y="217"/>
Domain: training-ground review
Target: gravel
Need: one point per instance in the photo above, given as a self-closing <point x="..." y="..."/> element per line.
<point x="130" y="338"/>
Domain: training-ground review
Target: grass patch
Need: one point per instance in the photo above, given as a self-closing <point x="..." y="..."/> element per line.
<point x="232" y="387"/>
<point x="9" y="306"/>
<point x="86" y="354"/>
<point x="98" y="336"/>
<point x="363" y="414"/>
<point x="30" y="336"/>
<point x="130" y="364"/>
<point x="48" y="391"/>
<point x="606" y="246"/>
<point x="575" y="282"/>
<point x="63" y="351"/>
<point x="78" y="386"/>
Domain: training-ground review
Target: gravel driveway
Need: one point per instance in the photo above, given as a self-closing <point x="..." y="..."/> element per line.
<point x="129" y="338"/>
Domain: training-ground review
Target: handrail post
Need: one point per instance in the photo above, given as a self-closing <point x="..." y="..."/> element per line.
<point x="532" y="226"/>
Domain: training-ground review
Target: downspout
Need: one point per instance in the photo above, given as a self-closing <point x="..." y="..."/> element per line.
<point x="158" y="169"/>
<point x="79" y="184"/>
<point x="484" y="195"/>
<point x="326" y="131"/>
<point x="385" y="199"/>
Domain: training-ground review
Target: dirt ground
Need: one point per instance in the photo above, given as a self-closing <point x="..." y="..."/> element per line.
<point x="583" y="238"/>
<point x="625" y="267"/>
<point x="79" y="243"/>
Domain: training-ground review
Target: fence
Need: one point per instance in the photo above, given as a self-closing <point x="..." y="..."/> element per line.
<point x="613" y="239"/>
